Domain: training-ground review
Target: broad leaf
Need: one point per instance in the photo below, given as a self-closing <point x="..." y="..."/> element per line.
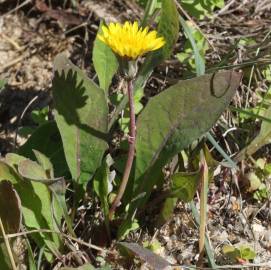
<point x="247" y="253"/>
<point x="231" y="252"/>
<point x="31" y="170"/>
<point x="81" y="116"/>
<point x="45" y="163"/>
<point x="184" y="185"/>
<point x="185" y="112"/>
<point x="43" y="172"/>
<point x="105" y="63"/>
<point x="51" y="147"/>
<point x="168" y="28"/>
<point x="172" y="120"/>
<point x="36" y="207"/>
<point x="201" y="9"/>
<point x="241" y="252"/>
<point x="13" y="159"/>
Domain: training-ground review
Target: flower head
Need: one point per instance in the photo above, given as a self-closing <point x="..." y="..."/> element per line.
<point x="129" y="40"/>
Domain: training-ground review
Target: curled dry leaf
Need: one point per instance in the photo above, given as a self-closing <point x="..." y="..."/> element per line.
<point x="10" y="207"/>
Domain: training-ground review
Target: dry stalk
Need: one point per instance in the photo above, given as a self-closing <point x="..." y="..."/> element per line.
<point x="11" y="258"/>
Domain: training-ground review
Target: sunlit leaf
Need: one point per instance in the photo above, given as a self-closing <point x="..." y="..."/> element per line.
<point x="105" y="63"/>
<point x="184" y="185"/>
<point x="45" y="163"/>
<point x="262" y="139"/>
<point x="81" y="116"/>
<point x="172" y="120"/>
<point x="51" y="147"/>
<point x="185" y="111"/>
<point x="36" y="208"/>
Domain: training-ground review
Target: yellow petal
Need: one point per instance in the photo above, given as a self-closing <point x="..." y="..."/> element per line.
<point x="130" y="40"/>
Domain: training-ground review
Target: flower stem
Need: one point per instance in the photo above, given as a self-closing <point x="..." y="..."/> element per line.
<point x="131" y="152"/>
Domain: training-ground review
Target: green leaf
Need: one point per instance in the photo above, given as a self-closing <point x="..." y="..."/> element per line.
<point x="247" y="253"/>
<point x="200" y="62"/>
<point x="31" y="259"/>
<point x="43" y="172"/>
<point x="45" y="163"/>
<point x="13" y="159"/>
<point x="263" y="138"/>
<point x="100" y="184"/>
<point x="127" y="227"/>
<point x="81" y="116"/>
<point x="51" y="147"/>
<point x="185" y="111"/>
<point x="231" y="252"/>
<point x="2" y="84"/>
<point x="167" y="210"/>
<point x="262" y="193"/>
<point x="4" y="257"/>
<point x="168" y="28"/>
<point x="36" y="207"/>
<point x="200" y="9"/>
<point x="184" y="185"/>
<point x="254" y="181"/>
<point x="242" y="252"/>
<point x="105" y="63"/>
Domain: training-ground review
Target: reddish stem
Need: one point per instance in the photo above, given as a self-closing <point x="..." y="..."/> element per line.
<point x="131" y="153"/>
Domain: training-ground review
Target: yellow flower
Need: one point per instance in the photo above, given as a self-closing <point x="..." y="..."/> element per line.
<point x="129" y="40"/>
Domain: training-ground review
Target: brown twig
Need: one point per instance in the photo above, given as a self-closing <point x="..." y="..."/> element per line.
<point x="131" y="153"/>
<point x="81" y="242"/>
<point x="26" y="2"/>
<point x="14" y="62"/>
<point x="21" y="117"/>
<point x="12" y="42"/>
<point x="203" y="208"/>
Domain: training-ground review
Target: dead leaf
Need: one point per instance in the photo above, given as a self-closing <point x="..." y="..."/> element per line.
<point x="10" y="207"/>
